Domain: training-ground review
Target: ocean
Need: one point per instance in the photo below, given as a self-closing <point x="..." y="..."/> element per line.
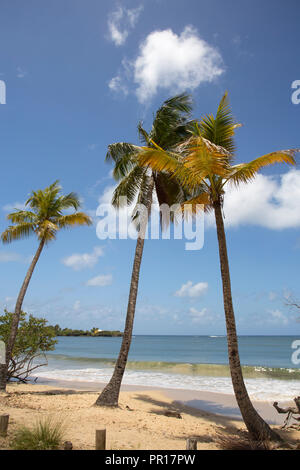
<point x="181" y="362"/>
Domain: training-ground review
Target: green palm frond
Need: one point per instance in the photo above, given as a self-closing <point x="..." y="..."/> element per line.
<point x="144" y="136"/>
<point x="118" y="150"/>
<point x="68" y="201"/>
<point x="169" y="124"/>
<point x="220" y="129"/>
<point x="128" y="187"/>
<point x="124" y="157"/>
<point x="21" y="216"/>
<point x="17" y="232"/>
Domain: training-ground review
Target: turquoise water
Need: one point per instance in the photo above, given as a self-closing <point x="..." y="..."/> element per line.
<point x="190" y="362"/>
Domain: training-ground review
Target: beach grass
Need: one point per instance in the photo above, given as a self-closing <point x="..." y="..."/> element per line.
<point x="46" y="434"/>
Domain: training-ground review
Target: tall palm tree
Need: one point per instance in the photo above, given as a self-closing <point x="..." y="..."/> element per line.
<point x="44" y="218"/>
<point x="204" y="165"/>
<point x="168" y="129"/>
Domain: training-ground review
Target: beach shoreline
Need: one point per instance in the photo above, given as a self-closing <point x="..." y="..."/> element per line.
<point x="212" y="402"/>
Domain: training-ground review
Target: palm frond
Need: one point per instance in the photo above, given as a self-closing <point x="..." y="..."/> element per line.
<point x="118" y="150"/>
<point x="124" y="157"/>
<point x="18" y="232"/>
<point x="161" y="161"/>
<point x="245" y="172"/>
<point x="68" y="201"/>
<point x="220" y="129"/>
<point x="143" y="134"/>
<point x="69" y="220"/>
<point x="21" y="216"/>
<point x="128" y="187"/>
<point x="200" y="200"/>
<point x="170" y="119"/>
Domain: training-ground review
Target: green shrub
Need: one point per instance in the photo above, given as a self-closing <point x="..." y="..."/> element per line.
<point x="45" y="435"/>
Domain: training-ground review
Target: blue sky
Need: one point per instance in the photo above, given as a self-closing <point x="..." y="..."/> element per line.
<point x="80" y="75"/>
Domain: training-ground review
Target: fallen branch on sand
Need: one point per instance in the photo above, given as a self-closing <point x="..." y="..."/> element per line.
<point x="292" y="413"/>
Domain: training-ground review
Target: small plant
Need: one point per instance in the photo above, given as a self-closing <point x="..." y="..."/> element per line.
<point x="45" y="435"/>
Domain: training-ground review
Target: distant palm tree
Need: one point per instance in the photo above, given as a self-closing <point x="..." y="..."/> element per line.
<point x="168" y="129"/>
<point x="203" y="165"/>
<point x="44" y="219"/>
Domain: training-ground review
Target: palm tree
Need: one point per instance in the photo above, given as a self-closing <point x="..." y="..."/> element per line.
<point x="168" y="129"/>
<point x="204" y="165"/>
<point x="44" y="217"/>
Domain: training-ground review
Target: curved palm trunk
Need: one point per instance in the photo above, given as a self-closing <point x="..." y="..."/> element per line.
<point x="110" y="394"/>
<point x="257" y="427"/>
<point x="16" y="317"/>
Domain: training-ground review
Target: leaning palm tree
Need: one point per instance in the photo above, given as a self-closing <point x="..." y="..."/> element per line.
<point x="44" y="217"/>
<point x="168" y="129"/>
<point x="204" y="165"/>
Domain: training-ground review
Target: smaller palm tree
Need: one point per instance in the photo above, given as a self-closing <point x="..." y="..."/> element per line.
<point x="44" y="218"/>
<point x="169" y="128"/>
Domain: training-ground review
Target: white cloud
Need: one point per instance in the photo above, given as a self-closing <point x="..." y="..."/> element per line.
<point x="272" y="295"/>
<point x="116" y="84"/>
<point x="277" y="316"/>
<point x="76" y="305"/>
<point x="100" y="281"/>
<point x="190" y="290"/>
<point x="150" y="310"/>
<point x="198" y="313"/>
<point x="11" y="207"/>
<point x="268" y="201"/>
<point x="79" y="261"/>
<point x="9" y="256"/>
<point x="120" y="22"/>
<point x="171" y="62"/>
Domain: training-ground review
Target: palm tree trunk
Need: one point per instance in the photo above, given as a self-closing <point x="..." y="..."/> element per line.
<point x="16" y="318"/>
<point x="257" y="427"/>
<point x="110" y="394"/>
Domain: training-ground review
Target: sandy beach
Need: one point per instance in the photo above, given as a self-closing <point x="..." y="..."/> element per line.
<point x="138" y="424"/>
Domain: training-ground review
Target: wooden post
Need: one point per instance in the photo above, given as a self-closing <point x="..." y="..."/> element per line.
<point x="3" y="425"/>
<point x="191" y="444"/>
<point x="100" y="439"/>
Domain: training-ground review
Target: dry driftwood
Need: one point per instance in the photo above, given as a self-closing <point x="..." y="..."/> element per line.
<point x="291" y="412"/>
<point x="172" y="414"/>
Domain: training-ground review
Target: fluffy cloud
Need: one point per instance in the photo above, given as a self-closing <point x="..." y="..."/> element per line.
<point x="11" y="207"/>
<point x="268" y="201"/>
<point x="171" y="62"/>
<point x="120" y="22"/>
<point x="277" y="316"/>
<point x="192" y="290"/>
<point x="76" y="305"/>
<point x="198" y="313"/>
<point x="79" y="261"/>
<point x="9" y="256"/>
<point x="100" y="281"/>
